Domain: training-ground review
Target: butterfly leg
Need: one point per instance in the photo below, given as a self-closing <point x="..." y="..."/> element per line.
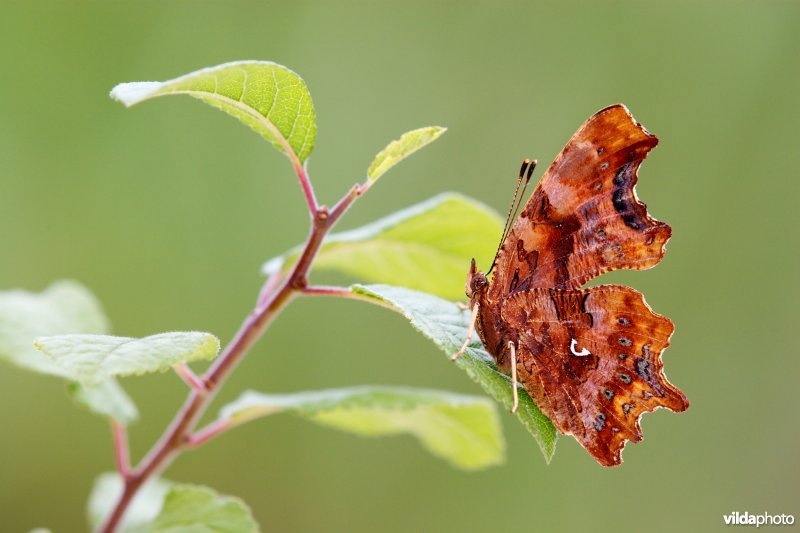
<point x="470" y="331"/>
<point x="513" y="351"/>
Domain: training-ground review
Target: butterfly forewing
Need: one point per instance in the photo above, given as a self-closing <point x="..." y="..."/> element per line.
<point x="584" y="219"/>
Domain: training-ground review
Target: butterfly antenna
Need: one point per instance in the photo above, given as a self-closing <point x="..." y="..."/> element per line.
<point x="521" y="196"/>
<point x="525" y="172"/>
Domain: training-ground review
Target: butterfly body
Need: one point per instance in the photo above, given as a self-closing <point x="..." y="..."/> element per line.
<point x="589" y="358"/>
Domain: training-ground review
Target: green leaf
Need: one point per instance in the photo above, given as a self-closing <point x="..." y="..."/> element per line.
<point x="427" y="246"/>
<point x="195" y="509"/>
<point x="463" y="430"/>
<point x="403" y="147"/>
<point x="92" y="359"/>
<point x="107" y="398"/>
<point x="161" y="506"/>
<point x="445" y="323"/>
<point x="64" y="307"/>
<point x="144" y="507"/>
<point x="268" y="97"/>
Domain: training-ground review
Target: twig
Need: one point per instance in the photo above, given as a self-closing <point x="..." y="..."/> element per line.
<point x="190" y="378"/>
<point x="121" y="454"/>
<point x="178" y="435"/>
<point x="269" y="287"/>
<point x="209" y="432"/>
<point x="305" y="183"/>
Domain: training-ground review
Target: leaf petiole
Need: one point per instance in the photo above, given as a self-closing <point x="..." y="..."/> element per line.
<point x="121" y="454"/>
<point x="190" y="378"/>
<point x="344" y="292"/>
<point x="207" y="433"/>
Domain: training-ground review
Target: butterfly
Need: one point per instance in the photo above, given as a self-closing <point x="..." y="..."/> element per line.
<point x="589" y="358"/>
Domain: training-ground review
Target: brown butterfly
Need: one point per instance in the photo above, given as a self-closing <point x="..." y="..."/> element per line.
<point x="589" y="358"/>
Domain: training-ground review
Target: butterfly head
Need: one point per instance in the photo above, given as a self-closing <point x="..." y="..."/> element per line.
<point x="476" y="283"/>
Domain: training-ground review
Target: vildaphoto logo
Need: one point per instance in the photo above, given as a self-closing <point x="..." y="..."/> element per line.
<point x="764" y="519"/>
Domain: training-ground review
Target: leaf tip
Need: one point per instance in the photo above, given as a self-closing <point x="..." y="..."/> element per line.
<point x="210" y="345"/>
<point x="134" y="92"/>
<point x="399" y="149"/>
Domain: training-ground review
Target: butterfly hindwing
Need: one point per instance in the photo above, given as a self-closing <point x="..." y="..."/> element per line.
<point x="591" y="359"/>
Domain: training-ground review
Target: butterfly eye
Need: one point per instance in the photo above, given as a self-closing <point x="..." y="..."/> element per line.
<point x="476" y="283"/>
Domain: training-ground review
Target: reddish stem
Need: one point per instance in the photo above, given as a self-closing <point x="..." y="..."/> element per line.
<point x="269" y="287"/>
<point x="190" y="378"/>
<point x="209" y="432"/>
<point x="305" y="184"/>
<point x="327" y="290"/>
<point x="121" y="454"/>
<point x="178" y="435"/>
<point x="344" y="292"/>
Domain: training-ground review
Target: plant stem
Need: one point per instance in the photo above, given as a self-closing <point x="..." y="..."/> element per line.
<point x="345" y="292"/>
<point x="121" y="454"/>
<point x="189" y="377"/>
<point x="177" y="436"/>
<point x="305" y="183"/>
<point x="207" y="433"/>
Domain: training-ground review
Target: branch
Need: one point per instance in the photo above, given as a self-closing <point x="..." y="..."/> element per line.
<point x="274" y="296"/>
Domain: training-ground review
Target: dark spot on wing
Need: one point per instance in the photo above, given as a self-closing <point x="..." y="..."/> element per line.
<point x="600" y="421"/>
<point x="623" y="199"/>
<point x="643" y="369"/>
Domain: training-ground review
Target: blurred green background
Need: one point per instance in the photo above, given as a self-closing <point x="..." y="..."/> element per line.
<point x="167" y="210"/>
